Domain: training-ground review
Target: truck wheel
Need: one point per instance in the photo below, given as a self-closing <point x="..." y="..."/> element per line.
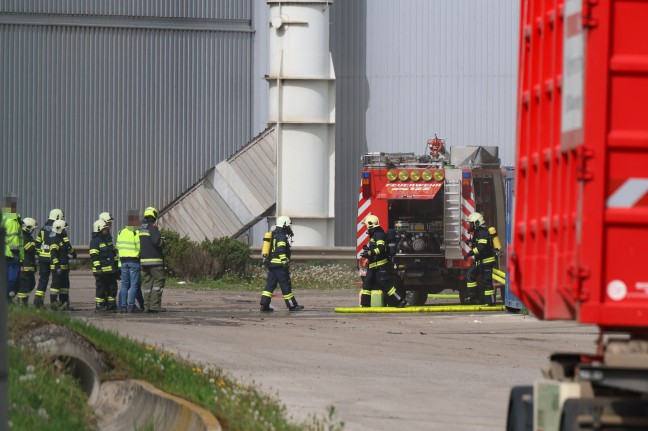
<point x="520" y="409"/>
<point x="416" y="297"/>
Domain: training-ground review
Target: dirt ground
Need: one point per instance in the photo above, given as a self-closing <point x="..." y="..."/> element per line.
<point x="419" y="371"/>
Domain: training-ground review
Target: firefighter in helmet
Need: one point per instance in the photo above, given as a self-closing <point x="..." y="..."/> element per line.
<point x="104" y="269"/>
<point x="483" y="251"/>
<point x="152" y="262"/>
<point x="278" y="272"/>
<point x="377" y="276"/>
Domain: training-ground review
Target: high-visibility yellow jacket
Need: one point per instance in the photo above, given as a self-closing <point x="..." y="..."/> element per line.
<point x="128" y="244"/>
<point x="13" y="235"/>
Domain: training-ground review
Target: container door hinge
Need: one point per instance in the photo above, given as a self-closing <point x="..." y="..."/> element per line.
<point x="583" y="154"/>
<point x="580" y="274"/>
<point x="586" y="15"/>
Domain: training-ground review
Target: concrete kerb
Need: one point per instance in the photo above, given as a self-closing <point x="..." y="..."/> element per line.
<point x="120" y="405"/>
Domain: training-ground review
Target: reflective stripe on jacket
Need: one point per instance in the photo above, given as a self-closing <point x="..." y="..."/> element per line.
<point x="128" y="244"/>
<point x="150" y="245"/>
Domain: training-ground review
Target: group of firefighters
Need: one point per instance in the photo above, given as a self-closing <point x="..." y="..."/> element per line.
<point x="136" y="256"/>
<point x="483" y="250"/>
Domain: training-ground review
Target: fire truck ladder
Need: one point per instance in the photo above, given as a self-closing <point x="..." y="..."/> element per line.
<point x="452" y="214"/>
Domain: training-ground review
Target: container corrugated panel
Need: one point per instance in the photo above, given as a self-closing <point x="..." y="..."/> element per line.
<point x="203" y="9"/>
<point x="99" y="119"/>
<point x="581" y="218"/>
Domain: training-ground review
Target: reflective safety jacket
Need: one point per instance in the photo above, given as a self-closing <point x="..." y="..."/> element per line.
<point x="102" y="254"/>
<point x="150" y="245"/>
<point x="378" y="247"/>
<point x="128" y="244"/>
<point x="13" y="237"/>
<point x="482" y="246"/>
<point x="29" y="259"/>
<point x="56" y="247"/>
<point x="279" y="249"/>
<point x="41" y="246"/>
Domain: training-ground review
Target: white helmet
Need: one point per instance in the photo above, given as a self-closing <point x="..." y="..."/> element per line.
<point x="372" y="221"/>
<point x="56" y="214"/>
<point x="477" y="219"/>
<point x="99" y="225"/>
<point x="29" y="224"/>
<point x="284" y="221"/>
<point x="106" y="216"/>
<point x="58" y="226"/>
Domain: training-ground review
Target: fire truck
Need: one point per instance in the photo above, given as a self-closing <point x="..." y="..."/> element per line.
<point x="423" y="202"/>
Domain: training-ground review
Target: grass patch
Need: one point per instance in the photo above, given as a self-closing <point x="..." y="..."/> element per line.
<point x="304" y="276"/>
<point x="52" y="401"/>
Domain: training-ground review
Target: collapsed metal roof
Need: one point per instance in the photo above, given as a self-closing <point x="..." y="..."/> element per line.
<point x="231" y="197"/>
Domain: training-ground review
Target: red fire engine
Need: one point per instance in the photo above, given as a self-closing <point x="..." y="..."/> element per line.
<point x="422" y="203"/>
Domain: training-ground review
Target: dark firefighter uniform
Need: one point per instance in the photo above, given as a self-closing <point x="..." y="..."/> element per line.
<point x="50" y="245"/>
<point x="152" y="262"/>
<point x="42" y="249"/>
<point x="61" y="282"/>
<point x="377" y="271"/>
<point x="28" y="275"/>
<point x="484" y="253"/>
<point x="104" y="269"/>
<point x="278" y="271"/>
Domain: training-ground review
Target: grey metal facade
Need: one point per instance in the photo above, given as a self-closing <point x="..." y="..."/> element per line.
<point x="409" y="69"/>
<point x="118" y="104"/>
<point x="111" y="105"/>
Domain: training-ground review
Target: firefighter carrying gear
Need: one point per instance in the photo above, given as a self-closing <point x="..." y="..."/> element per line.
<point x="377" y="253"/>
<point x="278" y="268"/>
<point x="43" y="250"/>
<point x="483" y="251"/>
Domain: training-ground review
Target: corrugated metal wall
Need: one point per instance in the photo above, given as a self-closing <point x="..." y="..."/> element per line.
<point x="99" y="114"/>
<point x="89" y="88"/>
<point x="409" y="69"/>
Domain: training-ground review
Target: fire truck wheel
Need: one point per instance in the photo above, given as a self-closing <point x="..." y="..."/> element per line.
<point x="417" y="297"/>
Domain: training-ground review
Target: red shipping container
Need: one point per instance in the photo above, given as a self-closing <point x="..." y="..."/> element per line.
<point x="580" y="240"/>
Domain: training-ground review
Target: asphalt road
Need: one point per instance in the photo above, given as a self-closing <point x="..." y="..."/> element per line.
<point x="423" y="371"/>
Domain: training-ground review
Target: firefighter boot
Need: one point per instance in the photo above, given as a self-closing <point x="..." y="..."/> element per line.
<point x="111" y="305"/>
<point x="365" y="298"/>
<point x="292" y="305"/>
<point x="396" y="299"/>
<point x="54" y="301"/>
<point x="38" y="301"/>
<point x="100" y="307"/>
<point x="23" y="301"/>
<point x="265" y="302"/>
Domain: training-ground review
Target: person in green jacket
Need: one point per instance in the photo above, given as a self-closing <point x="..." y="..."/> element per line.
<point x="14" y="249"/>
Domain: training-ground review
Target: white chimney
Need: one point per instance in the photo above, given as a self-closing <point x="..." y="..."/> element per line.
<point x="302" y="105"/>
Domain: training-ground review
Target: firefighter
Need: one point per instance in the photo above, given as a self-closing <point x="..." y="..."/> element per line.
<point x="13" y="249"/>
<point x="42" y="249"/>
<point x="28" y="269"/>
<point x="152" y="262"/>
<point x="108" y="218"/>
<point x="63" y="277"/>
<point x="278" y="270"/>
<point x="104" y="269"/>
<point x="376" y="251"/>
<point x="58" y="259"/>
<point x="484" y="253"/>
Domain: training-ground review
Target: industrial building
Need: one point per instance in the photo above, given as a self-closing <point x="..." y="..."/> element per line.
<point x="108" y="106"/>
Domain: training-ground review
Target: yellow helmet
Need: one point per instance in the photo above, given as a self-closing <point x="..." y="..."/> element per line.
<point x="29" y="224"/>
<point x="371" y="221"/>
<point x="151" y="212"/>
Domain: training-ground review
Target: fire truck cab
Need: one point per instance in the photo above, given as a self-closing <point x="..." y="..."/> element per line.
<point x="423" y="203"/>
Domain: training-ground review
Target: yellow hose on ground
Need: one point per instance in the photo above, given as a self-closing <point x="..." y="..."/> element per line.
<point x="430" y="309"/>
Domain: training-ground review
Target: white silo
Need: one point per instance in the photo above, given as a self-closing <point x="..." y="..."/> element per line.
<point x="302" y="105"/>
